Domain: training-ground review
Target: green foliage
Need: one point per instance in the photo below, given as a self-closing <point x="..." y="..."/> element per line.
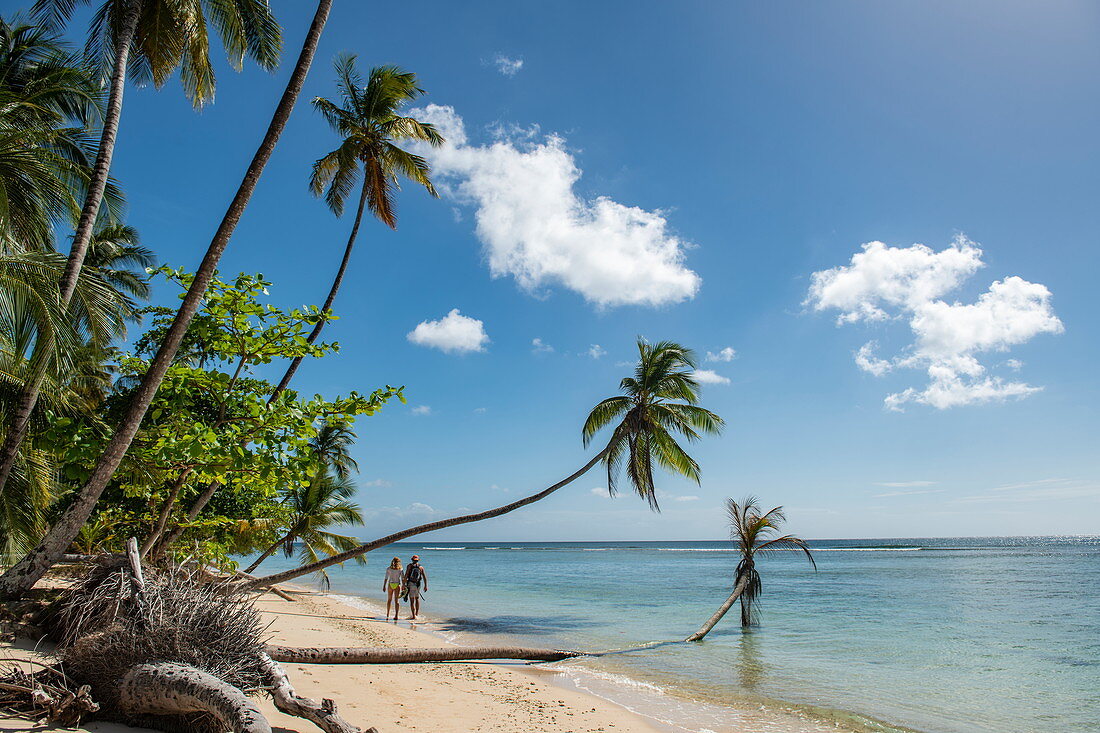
<point x="174" y="35"/>
<point x="213" y="419"/>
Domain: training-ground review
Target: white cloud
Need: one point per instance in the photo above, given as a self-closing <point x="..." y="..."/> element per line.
<point x="507" y="66"/>
<point x="536" y="228"/>
<point x="422" y="410"/>
<point x="690" y="497"/>
<point x="596" y="351"/>
<point x="539" y="347"/>
<point x="709" y="376"/>
<point x="898" y="277"/>
<point x="726" y="354"/>
<point x="601" y="492"/>
<point x="480" y="410"/>
<point x="884" y="283"/>
<point x="454" y="333"/>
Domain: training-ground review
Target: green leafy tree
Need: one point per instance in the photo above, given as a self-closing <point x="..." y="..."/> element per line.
<point x="658" y="401"/>
<point x="368" y="117"/>
<point x="754" y="532"/>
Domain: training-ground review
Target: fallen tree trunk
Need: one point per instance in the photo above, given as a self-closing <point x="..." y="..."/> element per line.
<point x="322" y="715"/>
<point x="384" y="655"/>
<point x="177" y="689"/>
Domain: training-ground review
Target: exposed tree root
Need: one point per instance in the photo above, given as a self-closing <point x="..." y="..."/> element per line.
<point x="322" y="715"/>
<point x="176" y="689"/>
<point x="385" y="655"/>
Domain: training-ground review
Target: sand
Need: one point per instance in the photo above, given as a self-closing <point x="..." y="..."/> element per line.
<point x="440" y="697"/>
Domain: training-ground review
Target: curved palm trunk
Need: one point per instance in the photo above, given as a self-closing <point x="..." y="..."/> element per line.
<point x="270" y="551"/>
<point x="316" y="332"/>
<point x="713" y="620"/>
<point x="24" y="574"/>
<point x="97" y="184"/>
<point x="389" y="655"/>
<point x="421" y="529"/>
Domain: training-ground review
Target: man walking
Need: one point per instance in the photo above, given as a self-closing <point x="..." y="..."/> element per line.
<point x="415" y="576"/>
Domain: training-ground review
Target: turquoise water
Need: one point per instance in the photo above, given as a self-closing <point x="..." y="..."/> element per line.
<point x="934" y="635"/>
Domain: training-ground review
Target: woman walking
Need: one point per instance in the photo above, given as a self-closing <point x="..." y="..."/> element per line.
<point x="391" y="586"/>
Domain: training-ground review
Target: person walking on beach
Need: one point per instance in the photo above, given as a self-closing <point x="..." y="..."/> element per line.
<point x="392" y="585"/>
<point x="415" y="576"/>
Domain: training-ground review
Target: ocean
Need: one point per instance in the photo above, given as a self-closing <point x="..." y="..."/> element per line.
<point x="949" y="635"/>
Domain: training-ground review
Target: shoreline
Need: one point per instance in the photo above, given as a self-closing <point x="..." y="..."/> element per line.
<point x="661" y="709"/>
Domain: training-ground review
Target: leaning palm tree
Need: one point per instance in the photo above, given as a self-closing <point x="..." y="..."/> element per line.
<point x="659" y="401"/>
<point x="312" y="509"/>
<point x="151" y="40"/>
<point x="754" y="533"/>
<point x="22" y="576"/>
<point x="369" y="119"/>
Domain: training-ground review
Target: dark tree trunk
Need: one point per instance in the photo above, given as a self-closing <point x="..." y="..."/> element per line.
<point x="97" y="184"/>
<point x="316" y="332"/>
<point x="322" y="715"/>
<point x="24" y="574"/>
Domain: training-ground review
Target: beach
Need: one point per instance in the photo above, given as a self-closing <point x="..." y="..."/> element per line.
<point x="483" y="696"/>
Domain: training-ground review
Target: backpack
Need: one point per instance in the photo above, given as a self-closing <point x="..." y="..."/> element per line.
<point x="413" y="574"/>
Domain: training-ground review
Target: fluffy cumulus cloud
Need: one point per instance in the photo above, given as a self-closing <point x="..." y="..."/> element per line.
<point x="883" y="283"/>
<point x="537" y="229"/>
<point x="453" y="334"/>
<point x="709" y="376"/>
<point x="596" y="351"/>
<point x="726" y="354"/>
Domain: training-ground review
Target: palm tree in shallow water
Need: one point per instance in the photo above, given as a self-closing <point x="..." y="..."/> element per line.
<point x="754" y="533"/>
<point x="658" y="401"/>
<point x="369" y="119"/>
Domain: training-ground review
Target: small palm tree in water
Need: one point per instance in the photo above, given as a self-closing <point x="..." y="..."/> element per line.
<point x="754" y="532"/>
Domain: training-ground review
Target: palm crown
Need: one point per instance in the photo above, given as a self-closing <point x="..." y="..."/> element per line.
<point x="368" y="118"/>
<point x="660" y="400"/>
<point x="175" y="34"/>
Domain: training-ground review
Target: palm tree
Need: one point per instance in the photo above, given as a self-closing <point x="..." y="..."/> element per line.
<point x="368" y="119"/>
<point x="753" y="533"/>
<point x="332" y="446"/>
<point x="151" y="39"/>
<point x="323" y="503"/>
<point x="24" y="574"/>
<point x="47" y="97"/>
<point x="660" y="399"/>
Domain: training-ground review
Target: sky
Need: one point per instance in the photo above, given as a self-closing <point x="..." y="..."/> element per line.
<point x="875" y="223"/>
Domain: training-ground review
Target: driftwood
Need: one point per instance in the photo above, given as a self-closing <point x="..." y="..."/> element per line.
<point x="47" y="695"/>
<point x="176" y="689"/>
<point x="384" y="655"/>
<point x="322" y="715"/>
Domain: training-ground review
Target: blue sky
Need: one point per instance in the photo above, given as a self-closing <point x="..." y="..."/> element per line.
<point x="680" y="171"/>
